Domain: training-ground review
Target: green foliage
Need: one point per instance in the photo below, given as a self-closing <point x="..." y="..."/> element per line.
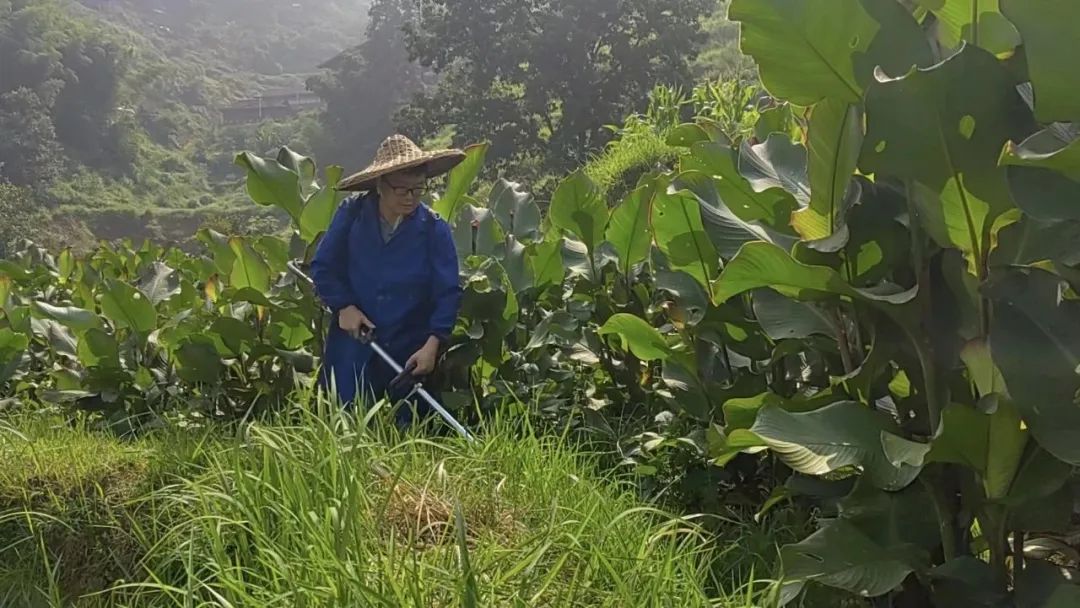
<point x="545" y="91"/>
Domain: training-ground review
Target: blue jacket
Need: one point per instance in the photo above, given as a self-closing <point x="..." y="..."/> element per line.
<point x="408" y="287"/>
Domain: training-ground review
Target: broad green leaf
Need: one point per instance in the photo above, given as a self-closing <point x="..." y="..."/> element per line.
<point x="841" y="555"/>
<point x="489" y="308"/>
<point x="459" y="181"/>
<point x="772" y="206"/>
<point x="1044" y="176"/>
<point x="78" y="319"/>
<point x="690" y="299"/>
<point x="545" y="263"/>
<point x="290" y="336"/>
<point x="1048" y="28"/>
<point x="637" y="336"/>
<point x="235" y="336"/>
<point x="686" y="135"/>
<point x="218" y="244"/>
<point x="990" y="444"/>
<point x="65" y="264"/>
<point x="966" y="581"/>
<point x="766" y="265"/>
<point x="808" y="50"/>
<point x="159" y="283"/>
<point x="271" y="183"/>
<point x="302" y="166"/>
<point x="275" y="252"/>
<point x="841" y="435"/>
<point x="1035" y="341"/>
<point x="249" y="269"/>
<point x="98" y="349"/>
<point x="512" y="256"/>
<point x="776" y="164"/>
<point x="893" y="519"/>
<point x="726" y="230"/>
<point x="877" y="536"/>
<point x="128" y="308"/>
<point x="198" y="361"/>
<point x="977" y="22"/>
<point x="834" y="141"/>
<point x="476" y="232"/>
<point x="685" y="390"/>
<point x="515" y="211"/>
<point x="1032" y="240"/>
<point x="320" y="208"/>
<point x="60" y="337"/>
<point x="944" y="127"/>
<point x="1040" y="476"/>
<point x="957" y="217"/>
<point x="778" y="119"/>
<point x="628" y="230"/>
<point x="680" y="235"/>
<point x="578" y="207"/>
<point x="782" y="318"/>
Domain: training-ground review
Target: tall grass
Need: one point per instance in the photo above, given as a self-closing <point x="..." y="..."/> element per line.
<point x="321" y="509"/>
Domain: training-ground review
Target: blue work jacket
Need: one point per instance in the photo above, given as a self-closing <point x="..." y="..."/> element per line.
<point x="408" y="286"/>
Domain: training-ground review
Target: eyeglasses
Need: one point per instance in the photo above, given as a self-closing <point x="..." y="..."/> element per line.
<point x="405" y="191"/>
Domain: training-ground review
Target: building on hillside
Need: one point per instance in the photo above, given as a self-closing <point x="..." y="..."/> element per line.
<point x="270" y="106"/>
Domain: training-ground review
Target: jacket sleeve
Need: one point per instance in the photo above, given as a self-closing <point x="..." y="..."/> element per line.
<point x="446" y="286"/>
<point x="330" y="265"/>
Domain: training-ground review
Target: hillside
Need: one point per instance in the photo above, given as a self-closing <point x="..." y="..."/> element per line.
<point x="113" y="108"/>
<point x="274" y="46"/>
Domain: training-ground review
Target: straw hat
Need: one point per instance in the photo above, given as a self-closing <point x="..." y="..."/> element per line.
<point x="398" y="152"/>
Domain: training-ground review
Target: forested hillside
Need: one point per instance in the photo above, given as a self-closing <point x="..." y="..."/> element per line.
<point x="110" y="109"/>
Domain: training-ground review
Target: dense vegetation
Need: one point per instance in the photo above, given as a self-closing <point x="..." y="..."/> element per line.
<point x="852" y="292"/>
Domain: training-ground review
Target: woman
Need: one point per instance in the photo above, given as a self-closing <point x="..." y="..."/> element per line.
<point x="387" y="264"/>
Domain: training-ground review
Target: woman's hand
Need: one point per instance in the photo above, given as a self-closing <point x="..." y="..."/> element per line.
<point x="354" y="322"/>
<point x="424" y="358"/>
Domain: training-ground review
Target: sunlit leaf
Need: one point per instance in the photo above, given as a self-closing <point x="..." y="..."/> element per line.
<point x="460" y="180"/>
<point x="515" y="211"/>
<point x="1048" y="28"/>
<point x="944" y="127"/>
<point x="78" y="319"/>
<point x="271" y="183"/>
<point x="128" y="308"/>
<point x="249" y="269"/>
<point x="578" y="208"/>
<point x="680" y="235"/>
<point x="637" y="336"/>
<point x="834" y="141"/>
<point x="628" y="230"/>
<point x="808" y="50"/>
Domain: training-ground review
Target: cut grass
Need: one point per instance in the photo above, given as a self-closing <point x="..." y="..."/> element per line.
<point x="321" y="512"/>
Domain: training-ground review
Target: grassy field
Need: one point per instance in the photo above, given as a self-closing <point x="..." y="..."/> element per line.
<point x="320" y="510"/>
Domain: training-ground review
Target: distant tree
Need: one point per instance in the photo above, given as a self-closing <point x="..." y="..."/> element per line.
<point x="29" y="152"/>
<point x="543" y="78"/>
<point x="22" y="217"/>
<point x="364" y="86"/>
<point x="720" y="56"/>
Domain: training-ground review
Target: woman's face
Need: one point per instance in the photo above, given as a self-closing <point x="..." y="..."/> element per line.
<point x="401" y="192"/>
